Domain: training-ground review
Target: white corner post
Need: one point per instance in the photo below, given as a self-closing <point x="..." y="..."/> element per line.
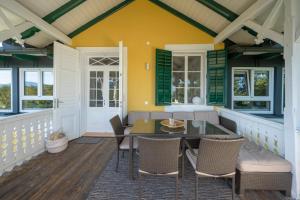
<point x="292" y="92"/>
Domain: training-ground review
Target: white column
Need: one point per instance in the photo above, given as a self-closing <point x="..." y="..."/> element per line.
<point x="292" y="88"/>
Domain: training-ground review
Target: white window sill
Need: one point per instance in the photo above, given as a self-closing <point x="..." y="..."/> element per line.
<point x="187" y="107"/>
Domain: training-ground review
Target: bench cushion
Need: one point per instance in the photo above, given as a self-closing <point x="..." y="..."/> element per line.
<point x="253" y="158"/>
<point x="135" y="115"/>
<point x="125" y="143"/>
<point x="210" y="116"/>
<point x="127" y="130"/>
<point x="184" y="115"/>
<point x="160" y="115"/>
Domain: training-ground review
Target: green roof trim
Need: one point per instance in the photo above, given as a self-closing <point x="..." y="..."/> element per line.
<point x="184" y="17"/>
<point x="25" y="57"/>
<point x="218" y="8"/>
<point x="224" y="12"/>
<point x="100" y="18"/>
<point x="54" y="15"/>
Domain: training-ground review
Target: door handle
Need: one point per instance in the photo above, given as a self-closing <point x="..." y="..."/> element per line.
<point x="57" y="102"/>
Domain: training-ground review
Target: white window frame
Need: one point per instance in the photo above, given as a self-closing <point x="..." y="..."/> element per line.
<point x="40" y="88"/>
<point x="283" y="90"/>
<point x="202" y="77"/>
<point x="11" y="91"/>
<point x="251" y="96"/>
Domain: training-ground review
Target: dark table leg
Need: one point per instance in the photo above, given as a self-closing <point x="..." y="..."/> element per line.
<point x="130" y="166"/>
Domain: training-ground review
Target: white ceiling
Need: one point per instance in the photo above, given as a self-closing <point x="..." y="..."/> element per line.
<point x="93" y="8"/>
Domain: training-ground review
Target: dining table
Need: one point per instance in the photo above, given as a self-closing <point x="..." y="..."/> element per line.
<point x="190" y="129"/>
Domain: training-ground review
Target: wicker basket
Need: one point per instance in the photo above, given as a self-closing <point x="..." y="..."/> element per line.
<point x="56" y="143"/>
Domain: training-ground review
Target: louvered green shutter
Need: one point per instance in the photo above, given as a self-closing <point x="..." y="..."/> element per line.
<point x="216" y="77"/>
<point x="163" y="77"/>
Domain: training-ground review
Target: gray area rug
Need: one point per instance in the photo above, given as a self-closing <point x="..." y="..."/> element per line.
<point x="88" y="140"/>
<point x="116" y="185"/>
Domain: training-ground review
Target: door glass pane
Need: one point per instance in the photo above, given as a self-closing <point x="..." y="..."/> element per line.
<point x="47" y="83"/>
<point x="113" y="89"/>
<point x="241" y="83"/>
<point x="193" y="79"/>
<point x="5" y="89"/>
<point x="194" y="63"/>
<point x="98" y="61"/>
<point x="178" y="63"/>
<point x="31" y="80"/>
<point x="261" y="83"/>
<point x="96" y="89"/>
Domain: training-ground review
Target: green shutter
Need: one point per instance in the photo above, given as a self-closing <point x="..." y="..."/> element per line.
<point x="163" y="77"/>
<point x="216" y="77"/>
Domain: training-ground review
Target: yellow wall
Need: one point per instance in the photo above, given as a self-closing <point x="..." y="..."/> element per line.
<point x="136" y="24"/>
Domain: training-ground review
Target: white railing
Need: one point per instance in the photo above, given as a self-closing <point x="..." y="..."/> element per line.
<point x="22" y="137"/>
<point x="266" y="133"/>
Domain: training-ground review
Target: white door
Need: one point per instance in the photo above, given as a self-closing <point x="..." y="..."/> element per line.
<point x="66" y="90"/>
<point x="103" y="97"/>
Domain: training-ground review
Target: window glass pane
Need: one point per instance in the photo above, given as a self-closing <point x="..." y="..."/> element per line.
<point x="252" y="105"/>
<point x="96" y="89"/>
<point x="177" y="95"/>
<point x="241" y="83"/>
<point x="194" y="79"/>
<point x="178" y="63"/>
<point x="194" y="95"/>
<point x="178" y="79"/>
<point x="261" y="83"/>
<point x="36" y="104"/>
<point x="31" y="80"/>
<point x="47" y="83"/>
<point x="194" y="63"/>
<point x="5" y="89"/>
<point x="113" y="89"/>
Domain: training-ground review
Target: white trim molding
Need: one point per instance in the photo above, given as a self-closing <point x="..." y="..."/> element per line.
<point x="250" y="72"/>
<point x="189" y="47"/>
<point x="18" y="9"/>
<point x="251" y="13"/>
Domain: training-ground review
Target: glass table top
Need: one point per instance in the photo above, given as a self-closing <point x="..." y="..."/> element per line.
<point x="191" y="129"/>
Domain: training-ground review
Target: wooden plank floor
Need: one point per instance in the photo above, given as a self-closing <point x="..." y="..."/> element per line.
<point x="70" y="175"/>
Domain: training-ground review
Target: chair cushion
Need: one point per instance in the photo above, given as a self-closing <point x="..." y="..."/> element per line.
<point x="125" y="143"/>
<point x="184" y="115"/>
<point x="210" y="116"/>
<point x="127" y="130"/>
<point x="135" y="115"/>
<point x="191" y="157"/>
<point x="160" y="115"/>
<point x="253" y="158"/>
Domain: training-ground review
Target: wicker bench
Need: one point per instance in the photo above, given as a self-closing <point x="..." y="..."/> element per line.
<point x="260" y="169"/>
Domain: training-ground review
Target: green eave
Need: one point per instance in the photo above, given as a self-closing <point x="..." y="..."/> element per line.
<point x="224" y="12"/>
<point x="51" y="17"/>
<point x="184" y="17"/>
<point x="25" y="57"/>
<point x="100" y="18"/>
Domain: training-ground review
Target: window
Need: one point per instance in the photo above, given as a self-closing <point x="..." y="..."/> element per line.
<point x="36" y="89"/>
<point x="283" y="91"/>
<point x="187" y="87"/>
<point x="5" y="90"/>
<point x="253" y="90"/>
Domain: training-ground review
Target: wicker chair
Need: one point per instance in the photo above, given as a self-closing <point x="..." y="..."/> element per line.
<point x="215" y="158"/>
<point x="122" y="141"/>
<point x="159" y="156"/>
